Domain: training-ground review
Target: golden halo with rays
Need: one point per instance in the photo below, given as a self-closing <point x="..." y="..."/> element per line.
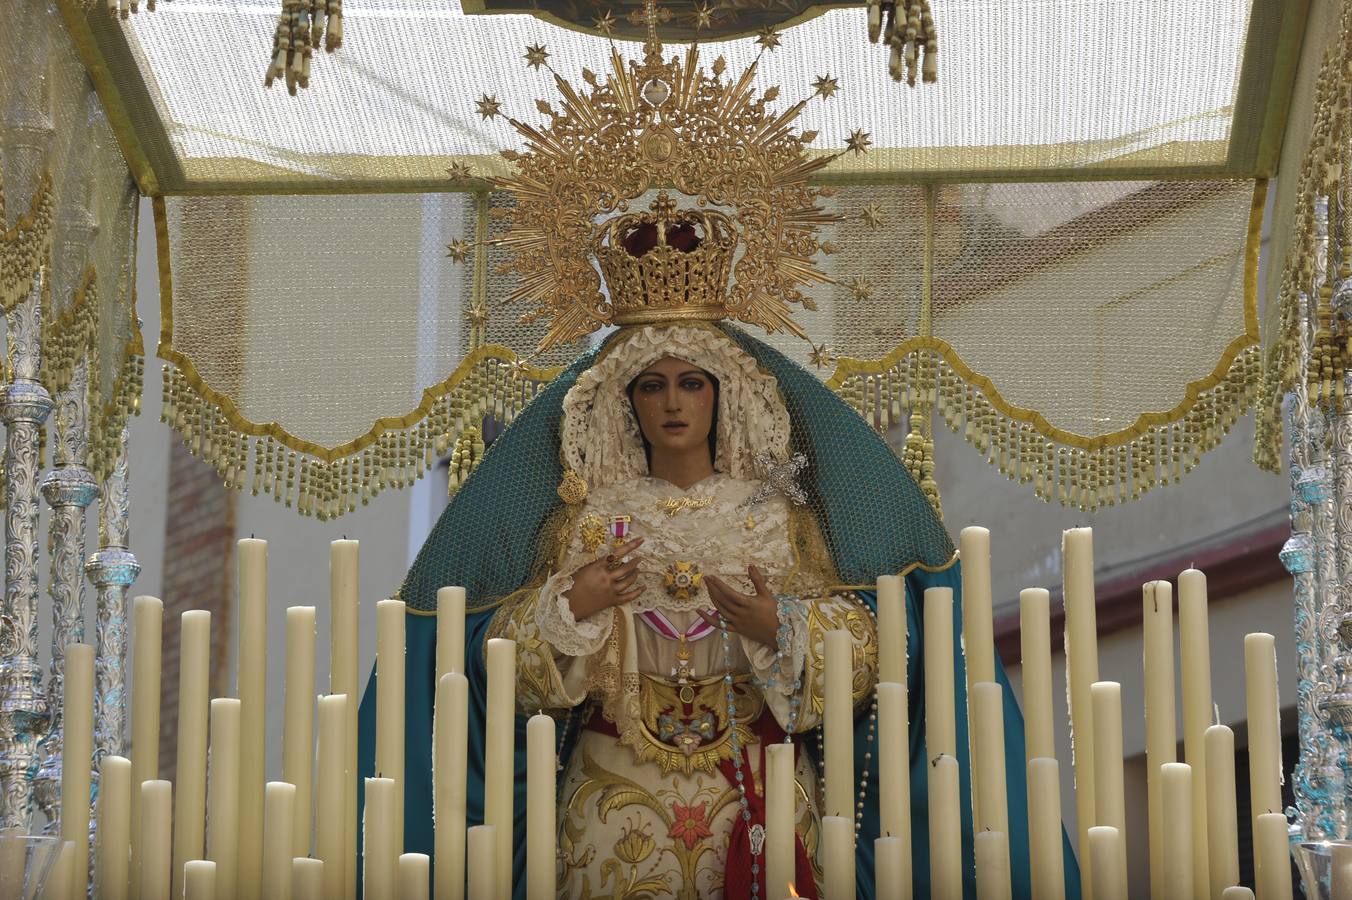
<point x="668" y="125"/>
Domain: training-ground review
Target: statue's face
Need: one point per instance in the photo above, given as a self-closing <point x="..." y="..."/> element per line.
<point x="674" y="400"/>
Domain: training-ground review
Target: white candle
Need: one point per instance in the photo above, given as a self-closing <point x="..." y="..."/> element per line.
<point x="450" y="740"/>
<point x="199" y="880"/>
<point x="298" y="728"/>
<point x="1107" y="850"/>
<point x="223" y="795"/>
<point x="894" y="775"/>
<point x="1272" y="857"/>
<point x="1160" y="737"/>
<point x="77" y="755"/>
<point x="1110" y="805"/>
<point x="156" y="839"/>
<point x="1221" y="812"/>
<point x="892" y="629"/>
<point x="450" y="630"/>
<point x="779" y="818"/>
<point x="541" y="764"/>
<point x="890" y="880"/>
<point x="414" y="873"/>
<point x="500" y="754"/>
<point x="1239" y="893"/>
<point x="1265" y="738"/>
<point x="194" y="700"/>
<point x="1176" y="784"/>
<point x="344" y="647"/>
<point x="147" y="632"/>
<point x="1035" y="640"/>
<point x="252" y="689"/>
<point x="113" y="835"/>
<point x="390" y="710"/>
<point x="992" y="865"/>
<point x="940" y="720"/>
<point x="1046" y="863"/>
<point x="331" y="795"/>
<point x="945" y="837"/>
<point x="279" y="817"/>
<point x="482" y="843"/>
<point x="1195" y="634"/>
<point x="307" y="879"/>
<point x="978" y="634"/>
<point x="838" y="856"/>
<point x="1341" y="876"/>
<point x="61" y="876"/>
<point x="380" y="859"/>
<point x="838" y="722"/>
<point x="1081" y="642"/>
<point x="988" y="740"/>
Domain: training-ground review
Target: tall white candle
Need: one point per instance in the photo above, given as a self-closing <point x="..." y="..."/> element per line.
<point x="1035" y="640"/>
<point x="941" y="736"/>
<point x="331" y="795"/>
<point x="500" y="754"/>
<point x="252" y="690"/>
<point x="1110" y="805"/>
<point x="414" y="875"/>
<point x="890" y="881"/>
<point x="112" y="854"/>
<point x="156" y="839"/>
<point x="838" y="856"/>
<point x="344" y="597"/>
<point x="892" y="629"/>
<point x="1046" y="863"/>
<point x="1176" y="783"/>
<point x="147" y="634"/>
<point x="894" y="775"/>
<point x="482" y="843"/>
<point x="1272" y="857"/>
<point x="945" y="837"/>
<point x="1160" y="737"/>
<point x="992" y="865"/>
<point x="307" y="879"/>
<point x="1081" y="642"/>
<point x="199" y="880"/>
<point x="1107" y="850"/>
<point x="450" y="740"/>
<point x="838" y="722"/>
<point x="541" y="763"/>
<point x="61" y="876"/>
<point x="194" y="699"/>
<point x="298" y="729"/>
<point x="77" y="755"/>
<point x="1341" y="877"/>
<point x="1195" y="634"/>
<point x="1221" y="809"/>
<point x="779" y="825"/>
<point x="1239" y="893"/>
<point x="223" y="795"/>
<point x="279" y="817"/>
<point x="1265" y="738"/>
<point x="978" y="635"/>
<point x="380" y="858"/>
<point x="390" y="709"/>
<point x="450" y="630"/>
<point x="988" y="741"/>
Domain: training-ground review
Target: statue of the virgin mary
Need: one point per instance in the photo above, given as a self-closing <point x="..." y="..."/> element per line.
<point x="671" y="527"/>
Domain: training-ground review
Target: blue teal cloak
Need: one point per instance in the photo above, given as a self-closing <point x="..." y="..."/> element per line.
<point x="873" y="516"/>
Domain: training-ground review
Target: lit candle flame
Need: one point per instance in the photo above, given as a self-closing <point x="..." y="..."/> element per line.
<point x="792" y="892"/>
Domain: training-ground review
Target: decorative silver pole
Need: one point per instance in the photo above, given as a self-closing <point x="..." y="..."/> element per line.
<point x="112" y="569"/>
<point x="24" y="405"/>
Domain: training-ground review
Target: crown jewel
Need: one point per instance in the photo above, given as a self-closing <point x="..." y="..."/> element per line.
<point x="740" y="168"/>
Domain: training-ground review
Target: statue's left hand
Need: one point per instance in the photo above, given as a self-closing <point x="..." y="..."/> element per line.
<point x="755" y="616"/>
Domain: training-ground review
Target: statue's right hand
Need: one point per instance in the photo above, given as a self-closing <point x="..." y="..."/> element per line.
<point x="605" y="582"/>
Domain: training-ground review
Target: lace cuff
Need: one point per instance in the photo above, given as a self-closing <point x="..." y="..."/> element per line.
<point x="777" y="668"/>
<point x="554" y="617"/>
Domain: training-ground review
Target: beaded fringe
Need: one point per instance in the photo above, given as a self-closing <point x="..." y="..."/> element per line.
<point x="1086" y="476"/>
<point x="25" y="246"/>
<point x="327" y="488"/>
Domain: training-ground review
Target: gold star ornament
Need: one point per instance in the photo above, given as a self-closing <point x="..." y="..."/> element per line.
<point x="825" y="86"/>
<point x="605" y="24"/>
<point x="459" y="173"/>
<point x="536" y="55"/>
<point x="873" y="215"/>
<point x="821" y="356"/>
<point x="458" y="250"/>
<point x="860" y="287"/>
<point x="704" y="16"/>
<point x="488" y="106"/>
<point x="768" y="37"/>
<point x="859" y="141"/>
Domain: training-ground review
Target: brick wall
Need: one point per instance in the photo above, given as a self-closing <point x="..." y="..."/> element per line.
<point x="199" y="541"/>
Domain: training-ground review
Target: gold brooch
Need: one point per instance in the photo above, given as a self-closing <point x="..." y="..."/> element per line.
<point x="592" y="530"/>
<point x="572" y="489"/>
<point x="673" y="505"/>
<point x="683" y="579"/>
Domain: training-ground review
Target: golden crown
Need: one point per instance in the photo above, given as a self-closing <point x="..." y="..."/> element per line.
<point x="674" y="127"/>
